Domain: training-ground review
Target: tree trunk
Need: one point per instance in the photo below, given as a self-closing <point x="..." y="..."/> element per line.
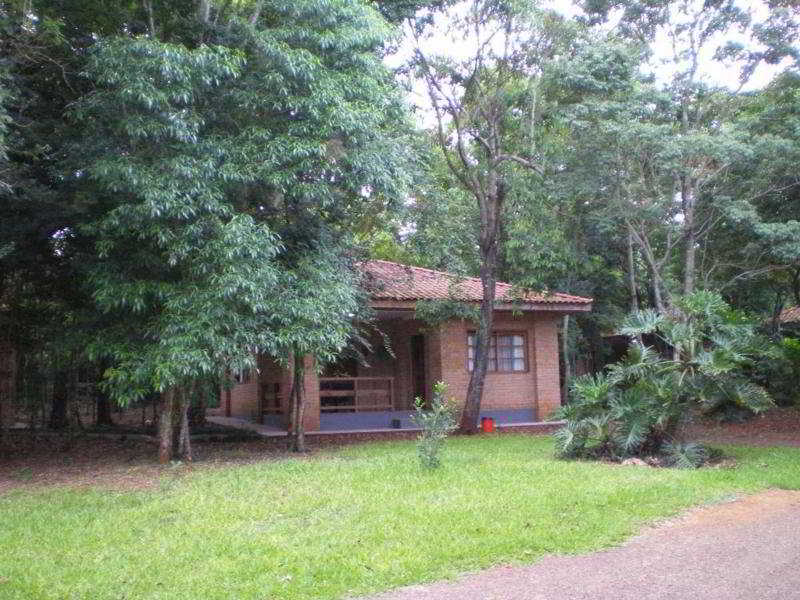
<point x="632" y="290"/>
<point x="184" y="440"/>
<point x="6" y="395"/>
<point x="491" y="212"/>
<point x="204" y="10"/>
<point x="103" y="406"/>
<point x="688" y="199"/>
<point x="197" y="408"/>
<point x="634" y="297"/>
<point x="228" y="386"/>
<point x="151" y="24"/>
<point x="775" y="328"/>
<point x="796" y="286"/>
<point x="10" y="368"/>
<point x="298" y="433"/>
<point x="655" y="272"/>
<point x="565" y="358"/>
<point x="165" y="426"/>
<point x="58" y="410"/>
<point x="5" y="414"/>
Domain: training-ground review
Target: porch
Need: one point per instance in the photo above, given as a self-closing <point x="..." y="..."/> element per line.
<point x="370" y="388"/>
<point x="381" y="423"/>
<point x="345" y="404"/>
<point x="366" y="404"/>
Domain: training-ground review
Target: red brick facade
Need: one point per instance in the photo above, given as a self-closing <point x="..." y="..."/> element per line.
<point x="445" y="350"/>
<point x="537" y="388"/>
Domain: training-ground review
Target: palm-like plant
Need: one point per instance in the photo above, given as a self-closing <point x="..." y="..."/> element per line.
<point x="639" y="404"/>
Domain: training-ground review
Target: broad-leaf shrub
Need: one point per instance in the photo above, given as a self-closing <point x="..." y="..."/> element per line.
<point x="686" y="455"/>
<point x="638" y="405"/>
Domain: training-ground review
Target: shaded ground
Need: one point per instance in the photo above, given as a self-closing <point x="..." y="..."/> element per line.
<point x="777" y="427"/>
<point x="740" y="550"/>
<point x="124" y="462"/>
<point x="116" y="462"/>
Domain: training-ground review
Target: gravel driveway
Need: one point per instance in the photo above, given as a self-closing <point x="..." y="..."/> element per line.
<point x="748" y="549"/>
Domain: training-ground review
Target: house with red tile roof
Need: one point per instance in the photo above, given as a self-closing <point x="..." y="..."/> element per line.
<point x="522" y="384"/>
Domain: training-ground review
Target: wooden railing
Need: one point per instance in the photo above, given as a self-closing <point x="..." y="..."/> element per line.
<point x="356" y="394"/>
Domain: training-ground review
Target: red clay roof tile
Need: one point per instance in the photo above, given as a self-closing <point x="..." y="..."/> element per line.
<point x="393" y="281"/>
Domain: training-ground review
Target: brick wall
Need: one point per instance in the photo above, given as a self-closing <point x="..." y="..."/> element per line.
<point x="435" y="357"/>
<point x="446" y="359"/>
<point x="536" y="388"/>
<point x="244" y="399"/>
<point x="548" y="384"/>
<point x="276" y="387"/>
<point x="311" y="384"/>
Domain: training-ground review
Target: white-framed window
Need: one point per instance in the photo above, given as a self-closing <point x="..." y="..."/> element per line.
<point x="507" y="352"/>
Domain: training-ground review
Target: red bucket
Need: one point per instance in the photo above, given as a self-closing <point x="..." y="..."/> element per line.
<point x="487" y="424"/>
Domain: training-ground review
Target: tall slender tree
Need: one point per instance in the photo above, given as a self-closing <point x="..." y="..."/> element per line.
<point x="485" y="105"/>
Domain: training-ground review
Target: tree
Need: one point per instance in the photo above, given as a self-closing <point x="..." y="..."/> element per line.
<point x="208" y="156"/>
<point x="675" y="141"/>
<point x="756" y="257"/>
<point x="486" y="111"/>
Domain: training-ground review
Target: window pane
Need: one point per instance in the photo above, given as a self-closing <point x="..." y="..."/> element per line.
<point x="506" y="352"/>
<point x="470" y="351"/>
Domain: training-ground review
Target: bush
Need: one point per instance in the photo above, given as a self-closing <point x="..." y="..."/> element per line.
<point x="638" y="406"/>
<point x="436" y="423"/>
<point x="686" y="455"/>
<point x="779" y="371"/>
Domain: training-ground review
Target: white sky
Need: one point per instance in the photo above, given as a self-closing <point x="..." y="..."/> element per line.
<point x="441" y="41"/>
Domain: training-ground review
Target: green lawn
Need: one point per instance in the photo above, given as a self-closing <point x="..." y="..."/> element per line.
<point x="352" y="521"/>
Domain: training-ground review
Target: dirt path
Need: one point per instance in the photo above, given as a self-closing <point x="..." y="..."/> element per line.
<point x="748" y="549"/>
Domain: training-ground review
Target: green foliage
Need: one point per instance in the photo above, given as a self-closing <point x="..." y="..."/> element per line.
<point x="222" y="176"/>
<point x="5" y="119"/>
<point x="638" y="405"/>
<point x="436" y="312"/>
<point x="791" y="350"/>
<point x="436" y="422"/>
<point x="686" y="455"/>
<point x="182" y="188"/>
<point x="779" y="371"/>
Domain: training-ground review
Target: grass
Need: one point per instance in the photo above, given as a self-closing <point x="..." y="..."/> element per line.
<point x="352" y="521"/>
